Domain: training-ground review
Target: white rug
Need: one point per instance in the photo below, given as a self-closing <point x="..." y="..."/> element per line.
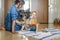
<point x="52" y="33"/>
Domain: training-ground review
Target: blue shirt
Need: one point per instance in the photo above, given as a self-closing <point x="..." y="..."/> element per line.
<point x="11" y="15"/>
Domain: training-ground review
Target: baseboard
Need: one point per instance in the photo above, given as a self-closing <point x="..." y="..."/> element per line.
<point x="43" y="23"/>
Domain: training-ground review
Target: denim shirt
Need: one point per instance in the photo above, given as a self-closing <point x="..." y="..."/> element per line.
<point x="12" y="15"/>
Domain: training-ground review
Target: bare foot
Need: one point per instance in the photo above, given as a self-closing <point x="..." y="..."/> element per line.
<point x="2" y="28"/>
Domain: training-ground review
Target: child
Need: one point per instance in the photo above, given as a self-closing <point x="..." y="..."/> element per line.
<point x="33" y="19"/>
<point x="31" y="22"/>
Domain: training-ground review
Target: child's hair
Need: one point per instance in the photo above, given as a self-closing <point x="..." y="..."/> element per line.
<point x="30" y="14"/>
<point x="19" y="1"/>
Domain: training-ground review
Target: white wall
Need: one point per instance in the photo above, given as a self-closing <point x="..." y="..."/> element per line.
<point x="2" y="12"/>
<point x="52" y="11"/>
<point x="58" y="8"/>
<point x="33" y="5"/>
<point x="55" y="12"/>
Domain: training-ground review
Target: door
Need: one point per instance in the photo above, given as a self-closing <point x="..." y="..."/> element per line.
<point x="41" y="7"/>
<point x="43" y="11"/>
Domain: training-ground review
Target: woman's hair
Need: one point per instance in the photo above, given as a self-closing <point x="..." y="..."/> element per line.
<point x="19" y="1"/>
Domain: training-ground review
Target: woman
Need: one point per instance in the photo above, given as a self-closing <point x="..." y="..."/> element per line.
<point x="11" y="22"/>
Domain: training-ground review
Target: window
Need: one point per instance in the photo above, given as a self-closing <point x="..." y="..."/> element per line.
<point x="27" y="5"/>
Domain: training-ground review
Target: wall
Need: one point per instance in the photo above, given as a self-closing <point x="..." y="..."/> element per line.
<point x="54" y="10"/>
<point x="33" y="5"/>
<point x="2" y="13"/>
<point x="58" y="8"/>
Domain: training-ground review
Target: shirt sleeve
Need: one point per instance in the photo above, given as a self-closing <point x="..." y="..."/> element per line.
<point x="13" y="14"/>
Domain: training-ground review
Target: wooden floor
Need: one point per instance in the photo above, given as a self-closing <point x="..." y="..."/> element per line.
<point x="43" y="26"/>
<point x="4" y="35"/>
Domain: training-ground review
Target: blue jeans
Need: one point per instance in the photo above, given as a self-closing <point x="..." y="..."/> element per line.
<point x="16" y="28"/>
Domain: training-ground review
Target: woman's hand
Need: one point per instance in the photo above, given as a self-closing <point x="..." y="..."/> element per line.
<point x="22" y="22"/>
<point x="14" y="32"/>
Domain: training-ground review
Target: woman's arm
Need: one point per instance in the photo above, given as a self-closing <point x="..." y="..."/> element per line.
<point x="13" y="25"/>
<point x="19" y="22"/>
